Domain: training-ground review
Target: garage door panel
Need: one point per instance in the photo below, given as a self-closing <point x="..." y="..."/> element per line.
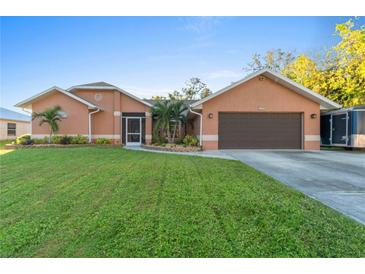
<point x="260" y="130"/>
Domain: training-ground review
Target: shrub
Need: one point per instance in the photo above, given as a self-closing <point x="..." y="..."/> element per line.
<point x="79" y="139"/>
<point x="159" y="140"/>
<point x="56" y="139"/>
<point x="103" y="141"/>
<point x="24" y="140"/>
<point x="190" y="140"/>
<point x="65" y="140"/>
<point x="40" y="140"/>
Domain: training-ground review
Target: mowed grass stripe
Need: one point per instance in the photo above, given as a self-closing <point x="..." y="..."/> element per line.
<point x="111" y="202"/>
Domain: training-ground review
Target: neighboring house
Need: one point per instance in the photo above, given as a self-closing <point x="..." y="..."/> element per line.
<point x="13" y="124"/>
<point x="263" y="110"/>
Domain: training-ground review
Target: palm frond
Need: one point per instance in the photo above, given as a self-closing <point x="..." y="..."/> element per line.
<point x="50" y="116"/>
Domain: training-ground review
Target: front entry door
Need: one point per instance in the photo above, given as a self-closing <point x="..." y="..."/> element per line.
<point x="134" y="131"/>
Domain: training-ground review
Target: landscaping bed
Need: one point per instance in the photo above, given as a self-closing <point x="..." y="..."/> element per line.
<point x="14" y="146"/>
<point x="26" y="141"/>
<point x="173" y="148"/>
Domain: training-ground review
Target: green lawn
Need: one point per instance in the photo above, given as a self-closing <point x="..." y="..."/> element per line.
<point x="110" y="202"/>
<point x="4" y="142"/>
<point x="2" y="146"/>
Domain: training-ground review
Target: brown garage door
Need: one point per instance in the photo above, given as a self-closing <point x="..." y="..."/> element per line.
<point x="260" y="130"/>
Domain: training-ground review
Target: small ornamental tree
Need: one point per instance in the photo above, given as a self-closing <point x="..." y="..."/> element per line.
<point x="50" y="116"/>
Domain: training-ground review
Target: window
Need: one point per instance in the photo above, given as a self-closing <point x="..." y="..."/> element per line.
<point x="11" y="129"/>
<point x="62" y="114"/>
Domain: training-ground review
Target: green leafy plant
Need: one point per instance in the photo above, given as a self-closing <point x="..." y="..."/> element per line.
<point x="65" y="140"/>
<point x="50" y="116"/>
<point x="190" y="140"/>
<point x="24" y="140"/>
<point x="168" y="115"/>
<point x="40" y="140"/>
<point x="338" y="73"/>
<point x="162" y="113"/>
<point x="56" y="139"/>
<point x="103" y="141"/>
<point x="79" y="139"/>
<point x="159" y="140"/>
<point x="178" y="115"/>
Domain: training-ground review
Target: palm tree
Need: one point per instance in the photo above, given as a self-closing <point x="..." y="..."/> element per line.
<point x="168" y="114"/>
<point x="178" y="114"/>
<point x="50" y="116"/>
<point x="162" y="112"/>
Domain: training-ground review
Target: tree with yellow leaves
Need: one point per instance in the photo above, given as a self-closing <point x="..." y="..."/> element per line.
<point x="339" y="74"/>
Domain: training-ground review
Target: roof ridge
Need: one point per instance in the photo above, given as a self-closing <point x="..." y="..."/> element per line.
<point x="96" y="84"/>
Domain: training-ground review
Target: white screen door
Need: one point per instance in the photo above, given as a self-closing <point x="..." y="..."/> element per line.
<point x="133" y="131"/>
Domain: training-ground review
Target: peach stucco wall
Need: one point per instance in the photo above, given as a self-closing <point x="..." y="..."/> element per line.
<point x="128" y="104"/>
<point x="77" y="114"/>
<point x="103" y="121"/>
<point x="113" y="103"/>
<point x="106" y="123"/>
<point x="261" y="96"/>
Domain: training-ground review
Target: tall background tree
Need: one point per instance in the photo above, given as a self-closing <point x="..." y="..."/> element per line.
<point x="194" y="89"/>
<point x="338" y="74"/>
<point x="275" y="60"/>
<point x="50" y="116"/>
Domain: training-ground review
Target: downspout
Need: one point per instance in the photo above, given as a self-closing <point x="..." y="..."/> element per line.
<point x="201" y="126"/>
<point x="90" y="122"/>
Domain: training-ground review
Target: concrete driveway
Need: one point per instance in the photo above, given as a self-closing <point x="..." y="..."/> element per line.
<point x="336" y="178"/>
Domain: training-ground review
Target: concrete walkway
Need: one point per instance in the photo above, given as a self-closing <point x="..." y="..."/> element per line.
<point x="211" y="154"/>
<point x="336" y="178"/>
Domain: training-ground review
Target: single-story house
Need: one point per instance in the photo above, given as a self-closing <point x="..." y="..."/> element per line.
<point x="263" y="110"/>
<point x="13" y="124"/>
<point x="96" y="110"/>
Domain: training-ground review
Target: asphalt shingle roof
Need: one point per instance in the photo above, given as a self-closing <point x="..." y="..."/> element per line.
<point x="7" y="114"/>
<point x="152" y="102"/>
<point x="96" y="84"/>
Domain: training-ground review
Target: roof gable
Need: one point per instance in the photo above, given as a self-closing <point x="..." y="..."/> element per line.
<point x="26" y="103"/>
<point x="107" y="86"/>
<point x="324" y="102"/>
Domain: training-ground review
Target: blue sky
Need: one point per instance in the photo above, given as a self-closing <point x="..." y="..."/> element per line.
<point x="145" y="55"/>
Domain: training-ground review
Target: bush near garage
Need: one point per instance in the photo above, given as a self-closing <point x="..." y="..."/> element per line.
<point x="190" y="140"/>
<point x="103" y="141"/>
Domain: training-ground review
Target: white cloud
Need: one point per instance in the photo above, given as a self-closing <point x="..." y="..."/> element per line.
<point x="200" y="24"/>
<point x="224" y="74"/>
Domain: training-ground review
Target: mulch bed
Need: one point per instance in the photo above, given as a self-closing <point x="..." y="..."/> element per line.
<point x="11" y="146"/>
<point x="172" y="148"/>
